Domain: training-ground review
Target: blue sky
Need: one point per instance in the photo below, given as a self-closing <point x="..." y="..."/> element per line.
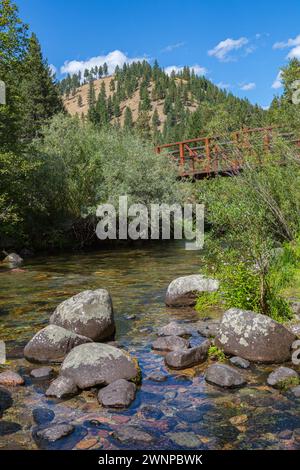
<point x="239" y="45"/>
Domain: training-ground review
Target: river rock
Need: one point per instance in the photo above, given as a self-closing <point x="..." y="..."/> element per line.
<point x="55" y="432"/>
<point x="52" y="344"/>
<point x="174" y="329"/>
<point x="208" y="329"/>
<point x="43" y="415"/>
<point x="170" y="343"/>
<point x="224" y="376"/>
<point x="13" y="260"/>
<point x="187" y="357"/>
<point x="98" y="364"/>
<point x="118" y="394"/>
<point x="294" y="328"/>
<point x="254" y="337"/>
<point x="240" y="362"/>
<point x="11" y="379"/>
<point x="184" y="291"/>
<point x="132" y="434"/>
<point x="89" y="313"/>
<point x="296" y="391"/>
<point x="62" y="387"/>
<point x="295" y="306"/>
<point x="185" y="439"/>
<point x="42" y="373"/>
<point x="280" y="375"/>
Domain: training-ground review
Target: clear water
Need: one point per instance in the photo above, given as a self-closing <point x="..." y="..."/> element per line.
<point x="182" y="412"/>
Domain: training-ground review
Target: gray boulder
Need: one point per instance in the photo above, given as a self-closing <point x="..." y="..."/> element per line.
<point x="174" y="329"/>
<point x="170" y="343"/>
<point x="208" y="329"/>
<point x="224" y="376"/>
<point x="296" y="391"/>
<point x="89" y="313"/>
<point x="11" y="379"/>
<point x="62" y="387"/>
<point x="294" y="328"/>
<point x="52" y="344"/>
<point x="13" y="260"/>
<point x="189" y="357"/>
<point x="254" y="337"/>
<point x="280" y="375"/>
<point x="98" y="364"/>
<point x="240" y="362"/>
<point x="183" y="291"/>
<point x="118" y="394"/>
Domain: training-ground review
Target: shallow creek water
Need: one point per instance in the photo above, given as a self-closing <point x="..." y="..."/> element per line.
<point x="180" y="412"/>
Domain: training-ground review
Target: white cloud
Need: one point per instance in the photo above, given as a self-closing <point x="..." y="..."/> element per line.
<point x="277" y="83"/>
<point x="53" y="69"/>
<point x="222" y="50"/>
<point x="171" y="47"/>
<point x="223" y="86"/>
<point x="293" y="44"/>
<point x="175" y="68"/>
<point x="112" y="59"/>
<point x="248" y="86"/>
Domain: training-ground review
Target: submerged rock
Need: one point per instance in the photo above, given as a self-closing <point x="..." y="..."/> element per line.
<point x="43" y="415"/>
<point x="240" y="362"/>
<point x="183" y="291"/>
<point x="189" y="357"/>
<point x="118" y="394"/>
<point x="254" y="337"/>
<point x="62" y="387"/>
<point x="281" y="375"/>
<point x="42" y="373"/>
<point x="89" y="313"/>
<point x="185" y="439"/>
<point x="98" y="364"/>
<point x="133" y="434"/>
<point x="174" y="329"/>
<point x="55" y="432"/>
<point x="170" y="343"/>
<point x="52" y="344"/>
<point x="224" y="376"/>
<point x="11" y="379"/>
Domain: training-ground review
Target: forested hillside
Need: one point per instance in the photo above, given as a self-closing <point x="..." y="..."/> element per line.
<point x="158" y="106"/>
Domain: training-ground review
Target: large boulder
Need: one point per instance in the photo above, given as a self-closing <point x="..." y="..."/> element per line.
<point x="188" y="357"/>
<point x="184" y="291"/>
<point x="52" y="344"/>
<point x="98" y="364"/>
<point x="254" y="337"/>
<point x="224" y="376"/>
<point x="89" y="313"/>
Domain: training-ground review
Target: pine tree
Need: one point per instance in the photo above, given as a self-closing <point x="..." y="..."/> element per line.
<point x="128" y="121"/>
<point x="105" y="69"/>
<point x="79" y="101"/>
<point x="143" y="126"/>
<point x="40" y="96"/>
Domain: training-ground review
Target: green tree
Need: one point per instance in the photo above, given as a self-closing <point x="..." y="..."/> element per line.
<point x="128" y="122"/>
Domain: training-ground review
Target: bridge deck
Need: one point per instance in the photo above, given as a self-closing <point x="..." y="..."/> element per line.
<point x="209" y="156"/>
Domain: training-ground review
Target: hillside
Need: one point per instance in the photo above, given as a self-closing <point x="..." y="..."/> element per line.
<point x="73" y="107"/>
<point x="158" y="106"/>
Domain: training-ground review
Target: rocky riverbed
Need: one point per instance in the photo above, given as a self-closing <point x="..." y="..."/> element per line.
<point x="173" y="408"/>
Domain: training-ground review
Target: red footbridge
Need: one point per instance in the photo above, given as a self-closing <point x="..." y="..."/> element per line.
<point x="218" y="155"/>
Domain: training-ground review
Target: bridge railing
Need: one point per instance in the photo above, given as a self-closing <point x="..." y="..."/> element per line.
<point x="222" y="154"/>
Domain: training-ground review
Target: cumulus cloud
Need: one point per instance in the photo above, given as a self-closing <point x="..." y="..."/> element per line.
<point x="223" y="50"/>
<point x="248" y="86"/>
<point x="293" y="44"/>
<point x="171" y="47"/>
<point x="53" y="69"/>
<point x="177" y="69"/>
<point x="277" y="83"/>
<point x="112" y="59"/>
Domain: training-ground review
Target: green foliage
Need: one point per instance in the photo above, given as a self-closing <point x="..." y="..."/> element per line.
<point x="216" y="354"/>
<point x="286" y="384"/>
<point x="207" y="300"/>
